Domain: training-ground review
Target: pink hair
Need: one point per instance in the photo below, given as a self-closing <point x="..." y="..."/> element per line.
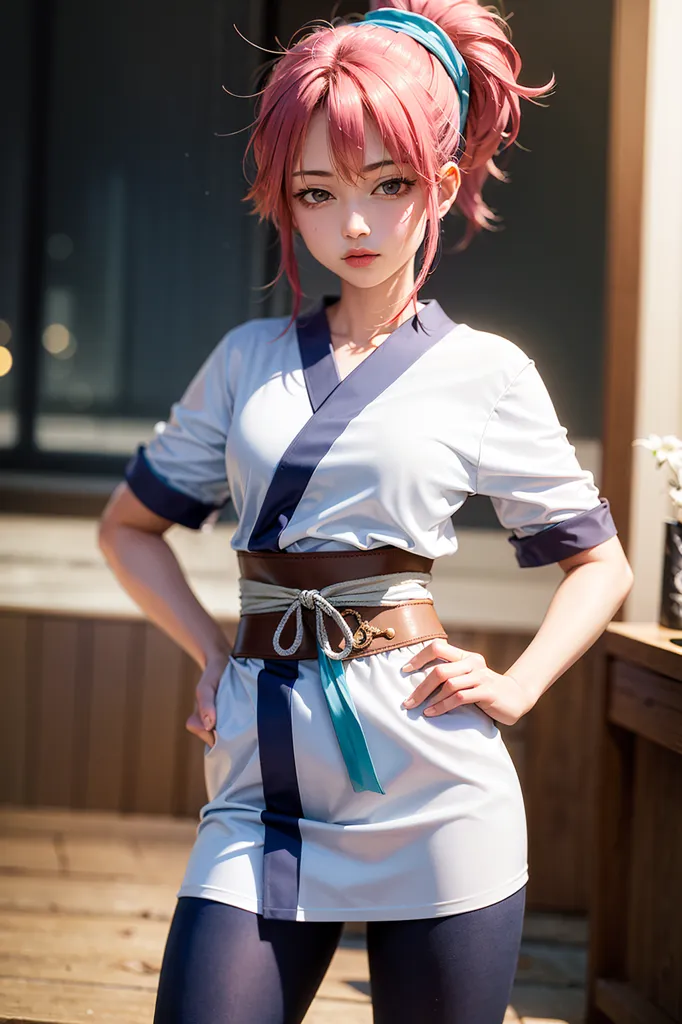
<point x="358" y="71"/>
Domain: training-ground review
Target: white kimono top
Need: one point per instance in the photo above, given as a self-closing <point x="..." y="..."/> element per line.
<point x="387" y="456"/>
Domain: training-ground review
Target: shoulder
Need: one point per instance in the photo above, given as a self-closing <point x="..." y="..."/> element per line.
<point x="249" y="343"/>
<point x="488" y="364"/>
<point x="499" y="353"/>
<point x="253" y="333"/>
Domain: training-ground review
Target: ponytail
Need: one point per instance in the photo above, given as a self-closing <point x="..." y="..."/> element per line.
<point x="482" y="37"/>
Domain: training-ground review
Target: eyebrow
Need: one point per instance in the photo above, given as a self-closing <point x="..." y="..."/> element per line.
<point x="330" y="174"/>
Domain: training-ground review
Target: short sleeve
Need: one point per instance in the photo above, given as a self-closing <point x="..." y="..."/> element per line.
<point x="181" y="473"/>
<point x="529" y="469"/>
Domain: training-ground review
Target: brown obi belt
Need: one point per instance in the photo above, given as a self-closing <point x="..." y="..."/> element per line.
<point x="375" y="629"/>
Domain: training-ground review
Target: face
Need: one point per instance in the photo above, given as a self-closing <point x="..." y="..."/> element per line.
<point x="382" y="213"/>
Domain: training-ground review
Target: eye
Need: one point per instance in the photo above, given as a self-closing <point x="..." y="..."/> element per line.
<point x="312" y="192"/>
<point x="395" y="185"/>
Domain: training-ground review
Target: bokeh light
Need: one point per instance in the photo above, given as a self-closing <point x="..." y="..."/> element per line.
<point x="5" y="361"/>
<point x="5" y="333"/>
<point x="59" y="342"/>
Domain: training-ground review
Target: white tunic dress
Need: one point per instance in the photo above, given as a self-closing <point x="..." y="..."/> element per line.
<point x="385" y="457"/>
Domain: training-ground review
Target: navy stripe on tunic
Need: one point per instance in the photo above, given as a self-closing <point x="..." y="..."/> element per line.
<point x="282" y="853"/>
<point x="569" y="536"/>
<point x="357" y="390"/>
<point x="161" y="497"/>
<point x="317" y="357"/>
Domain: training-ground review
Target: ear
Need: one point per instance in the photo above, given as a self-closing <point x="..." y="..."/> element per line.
<point x="450" y="181"/>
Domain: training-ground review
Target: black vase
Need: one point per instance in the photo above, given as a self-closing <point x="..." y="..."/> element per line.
<point x="671" y="584"/>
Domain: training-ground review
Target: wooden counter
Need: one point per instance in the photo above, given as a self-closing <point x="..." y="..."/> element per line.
<point x="635" y="948"/>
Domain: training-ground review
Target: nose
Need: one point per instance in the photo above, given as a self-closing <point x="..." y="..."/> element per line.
<point x="355" y="225"/>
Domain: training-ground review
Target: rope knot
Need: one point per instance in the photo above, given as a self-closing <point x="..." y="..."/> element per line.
<point x="313" y="601"/>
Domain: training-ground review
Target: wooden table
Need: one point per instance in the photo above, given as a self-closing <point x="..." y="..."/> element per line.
<point x="635" y="947"/>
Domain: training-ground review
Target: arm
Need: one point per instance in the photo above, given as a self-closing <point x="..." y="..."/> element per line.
<point x="596" y="583"/>
<point x="529" y="470"/>
<point x="178" y="477"/>
<point x="131" y="538"/>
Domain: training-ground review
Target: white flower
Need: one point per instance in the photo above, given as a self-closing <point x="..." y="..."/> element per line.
<point x="652" y="442"/>
<point x="667" y="450"/>
<point x="662" y="447"/>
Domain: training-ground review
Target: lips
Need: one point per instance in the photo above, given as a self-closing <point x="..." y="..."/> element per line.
<point x="360" y="257"/>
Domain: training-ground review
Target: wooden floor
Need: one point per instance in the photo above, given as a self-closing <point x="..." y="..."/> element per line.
<point x="85" y="900"/>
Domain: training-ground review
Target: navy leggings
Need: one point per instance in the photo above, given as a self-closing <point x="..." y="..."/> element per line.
<point x="223" y="965"/>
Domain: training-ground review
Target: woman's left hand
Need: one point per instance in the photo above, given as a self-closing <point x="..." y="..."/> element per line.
<point x="464" y="678"/>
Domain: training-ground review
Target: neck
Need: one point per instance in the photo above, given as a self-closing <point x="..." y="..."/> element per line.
<point x="355" y="318"/>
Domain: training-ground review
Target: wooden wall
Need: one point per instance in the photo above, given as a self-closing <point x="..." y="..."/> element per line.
<point x="93" y="711"/>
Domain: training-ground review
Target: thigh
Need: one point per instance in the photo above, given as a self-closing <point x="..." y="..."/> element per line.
<point x="224" y="965"/>
<point x="458" y="969"/>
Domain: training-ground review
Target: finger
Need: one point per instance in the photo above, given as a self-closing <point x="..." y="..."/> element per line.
<point x="194" y="725"/>
<point x="436" y="649"/>
<point x="206" y="703"/>
<point x="467" y="695"/>
<point x="440" y="674"/>
<point x="206" y="692"/>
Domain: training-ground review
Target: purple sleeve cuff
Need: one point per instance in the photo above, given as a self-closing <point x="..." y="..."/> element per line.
<point x="160" y="497"/>
<point x="561" y="540"/>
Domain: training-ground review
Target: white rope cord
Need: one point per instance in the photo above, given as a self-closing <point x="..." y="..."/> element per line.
<point x="390" y="589"/>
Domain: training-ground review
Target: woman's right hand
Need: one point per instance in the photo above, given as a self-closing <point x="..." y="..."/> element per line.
<point x="202" y="721"/>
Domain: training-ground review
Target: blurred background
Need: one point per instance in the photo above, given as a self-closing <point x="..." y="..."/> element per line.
<point x="126" y="253"/>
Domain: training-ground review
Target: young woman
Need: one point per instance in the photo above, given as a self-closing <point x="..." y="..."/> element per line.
<point x="354" y="764"/>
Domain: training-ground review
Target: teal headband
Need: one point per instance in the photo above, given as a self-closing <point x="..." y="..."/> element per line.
<point x="435" y="39"/>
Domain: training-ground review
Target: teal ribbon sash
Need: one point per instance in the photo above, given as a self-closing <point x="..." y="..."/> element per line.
<point x="347" y="725"/>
